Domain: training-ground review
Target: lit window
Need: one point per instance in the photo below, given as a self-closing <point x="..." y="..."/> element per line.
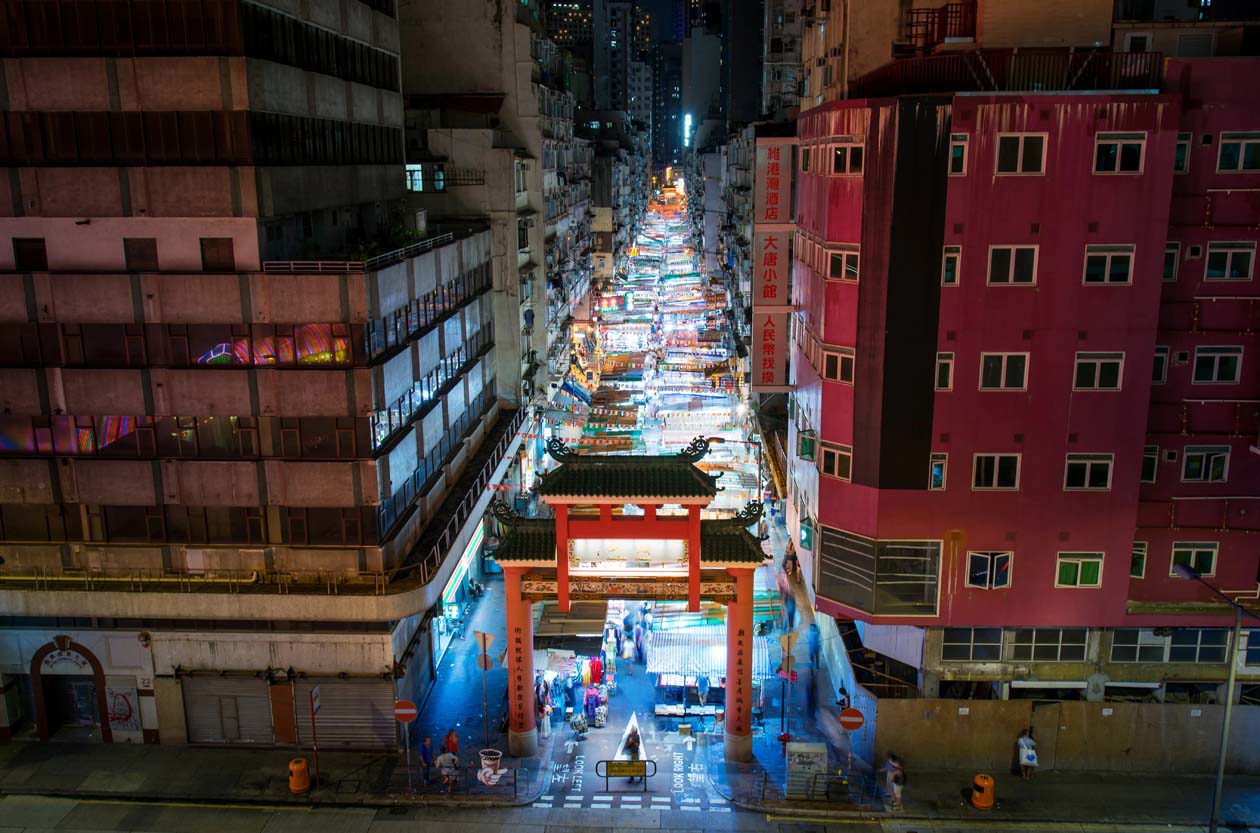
<point x="1217" y="365"/>
<point x="1150" y="463"/>
<point x="1012" y="265"/>
<point x="944" y="371"/>
<point x="989" y="570"/>
<point x="1118" y="153"/>
<point x="805" y="154"/>
<point x="958" y="154"/>
<point x="937" y="470"/>
<point x="951" y="261"/>
<point x="1239" y="152"/>
<point x="1098" y="371"/>
<point x="1137" y="564"/>
<point x="415" y="178"/>
<point x="846" y="159"/>
<point x="1198" y="556"/>
<point x="1108" y="264"/>
<point x="1205" y="464"/>
<point x="1021" y="154"/>
<point x="995" y="471"/>
<point x="1230" y="261"/>
<point x="1003" y="371"/>
<point x="1087" y="472"/>
<point x="835" y="460"/>
<point x="1079" y="569"/>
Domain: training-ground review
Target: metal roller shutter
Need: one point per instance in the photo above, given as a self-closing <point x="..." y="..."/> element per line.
<point x="352" y="713"/>
<point x="228" y="710"/>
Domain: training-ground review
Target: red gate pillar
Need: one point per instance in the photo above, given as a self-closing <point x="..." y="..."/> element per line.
<point x="693" y="558"/>
<point x="739" y="662"/>
<point x="522" y="731"/>
<point x="562" y="557"/>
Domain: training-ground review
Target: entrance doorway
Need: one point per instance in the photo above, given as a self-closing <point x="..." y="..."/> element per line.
<point x="72" y="706"/>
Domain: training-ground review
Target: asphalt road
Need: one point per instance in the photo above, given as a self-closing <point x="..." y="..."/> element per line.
<point x="37" y="815"/>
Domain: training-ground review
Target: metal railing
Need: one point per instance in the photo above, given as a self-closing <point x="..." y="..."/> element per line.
<point x="1013" y="70"/>
<point x="409" y="322"/>
<point x="372" y="263"/>
<point x="925" y="28"/>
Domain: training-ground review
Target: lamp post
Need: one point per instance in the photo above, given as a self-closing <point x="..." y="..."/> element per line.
<point x="1188" y="573"/>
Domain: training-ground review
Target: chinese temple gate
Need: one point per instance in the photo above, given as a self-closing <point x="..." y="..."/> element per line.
<point x="594" y="549"/>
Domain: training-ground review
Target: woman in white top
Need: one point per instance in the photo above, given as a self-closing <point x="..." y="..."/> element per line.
<point x="1027" y="748"/>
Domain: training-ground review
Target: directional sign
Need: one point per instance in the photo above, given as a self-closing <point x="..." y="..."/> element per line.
<point x="405" y="711"/>
<point x="788" y="641"/>
<point x="314" y="701"/>
<point x="852" y="719"/>
<point x="484" y="639"/>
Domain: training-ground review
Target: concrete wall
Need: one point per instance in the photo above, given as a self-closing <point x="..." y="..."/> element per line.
<point x="1071" y="736"/>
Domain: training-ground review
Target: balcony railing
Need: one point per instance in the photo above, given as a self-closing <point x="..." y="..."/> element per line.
<point x="1011" y="70"/>
<point x="372" y="263"/>
<point x="927" y="28"/>
<point x="407" y="323"/>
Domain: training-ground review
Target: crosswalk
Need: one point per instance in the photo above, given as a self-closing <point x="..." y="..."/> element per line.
<point x="639" y="801"/>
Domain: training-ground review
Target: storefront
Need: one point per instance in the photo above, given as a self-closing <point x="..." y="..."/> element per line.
<point x="228" y="710"/>
<point x="456" y="601"/>
<point x="356" y="712"/>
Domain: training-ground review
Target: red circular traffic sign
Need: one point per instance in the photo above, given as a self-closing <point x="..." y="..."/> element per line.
<point x="851" y="719"/>
<point x="405" y="711"/>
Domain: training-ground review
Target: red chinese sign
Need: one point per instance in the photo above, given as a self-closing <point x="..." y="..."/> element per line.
<point x="769" y="356"/>
<point x="771" y="266"/>
<point x="773" y="183"/>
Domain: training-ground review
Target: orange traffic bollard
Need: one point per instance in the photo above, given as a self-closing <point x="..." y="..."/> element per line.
<point x="982" y="795"/>
<point x="299" y="776"/>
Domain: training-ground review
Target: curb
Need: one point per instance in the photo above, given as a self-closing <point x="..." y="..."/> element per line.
<point x="273" y="802"/>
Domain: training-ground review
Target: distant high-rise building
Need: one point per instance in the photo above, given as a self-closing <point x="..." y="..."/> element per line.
<point x="613" y="34"/>
<point x="678" y="17"/>
<point x="667" y="121"/>
<point x="569" y="23"/>
<point x="644" y="35"/>
<point x="781" y="61"/>
<point x="741" y="22"/>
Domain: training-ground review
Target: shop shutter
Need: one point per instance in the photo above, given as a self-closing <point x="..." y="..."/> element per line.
<point x="356" y="713"/>
<point x="228" y="710"/>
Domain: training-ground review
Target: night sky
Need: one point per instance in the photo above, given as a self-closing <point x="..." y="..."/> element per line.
<point x="660" y="10"/>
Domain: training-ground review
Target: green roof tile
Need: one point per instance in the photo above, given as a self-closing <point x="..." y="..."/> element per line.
<point x="602" y="476"/>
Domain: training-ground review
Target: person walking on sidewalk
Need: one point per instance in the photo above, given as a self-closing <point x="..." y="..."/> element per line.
<point x="702" y="688"/>
<point x="450" y="743"/>
<point x="789" y="612"/>
<point x="895" y="779"/>
<point x="1026" y="745"/>
<point x="815" y="644"/>
<point x="426" y="759"/>
<point x="448" y="767"/>
<point x="632" y="749"/>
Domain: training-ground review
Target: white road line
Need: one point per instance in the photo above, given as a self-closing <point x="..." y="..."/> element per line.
<point x="718" y="809"/>
<point x="601" y="806"/>
<point x="546" y="798"/>
<point x="692" y="809"/>
<point x="601" y="798"/>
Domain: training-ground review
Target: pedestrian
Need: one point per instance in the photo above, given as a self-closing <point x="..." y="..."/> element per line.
<point x="1027" y="746"/>
<point x="647" y="620"/>
<point x="632" y="749"/>
<point x="895" y="779"/>
<point x="640" y="654"/>
<point x="842" y="698"/>
<point x="789" y="612"/>
<point x="426" y="758"/>
<point x="448" y="768"/>
<point x="450" y="743"/>
<point x="702" y="688"/>
<point x="811" y="693"/>
<point x="815" y="644"/>
<point x="627" y="653"/>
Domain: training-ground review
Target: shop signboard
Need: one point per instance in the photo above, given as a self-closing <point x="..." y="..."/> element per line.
<point x="772" y="266"/>
<point x="769" y="356"/>
<point x="772" y="186"/>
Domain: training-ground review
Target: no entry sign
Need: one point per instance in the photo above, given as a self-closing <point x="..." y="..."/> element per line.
<point x="405" y="711"/>
<point x="851" y="719"/>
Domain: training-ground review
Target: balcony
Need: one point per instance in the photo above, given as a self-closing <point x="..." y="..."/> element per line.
<point x="925" y="29"/>
<point x="1010" y="70"/>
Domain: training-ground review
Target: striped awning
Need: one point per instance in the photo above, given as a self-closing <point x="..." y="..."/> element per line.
<point x="701" y="650"/>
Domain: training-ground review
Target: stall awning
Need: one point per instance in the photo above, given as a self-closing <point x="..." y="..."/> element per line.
<point x="701" y="651"/>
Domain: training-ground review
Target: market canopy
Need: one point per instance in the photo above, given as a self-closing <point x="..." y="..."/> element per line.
<point x="701" y="651"/>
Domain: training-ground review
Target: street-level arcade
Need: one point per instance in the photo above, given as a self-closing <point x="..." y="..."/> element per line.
<point x="597" y="548"/>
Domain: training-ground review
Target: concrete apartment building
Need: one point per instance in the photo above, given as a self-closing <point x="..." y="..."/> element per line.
<point x="249" y="408"/>
<point x="1017" y="539"/>
<point x="781" y="64"/>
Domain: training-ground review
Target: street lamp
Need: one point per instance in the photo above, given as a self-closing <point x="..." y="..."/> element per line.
<point x="1188" y="573"/>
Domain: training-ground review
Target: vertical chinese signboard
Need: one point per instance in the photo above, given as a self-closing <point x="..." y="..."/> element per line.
<point x="773" y="230"/>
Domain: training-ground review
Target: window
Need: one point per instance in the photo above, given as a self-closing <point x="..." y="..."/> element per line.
<point x="806" y="443"/>
<point x="1108" y="264"/>
<point x="1217" y="365"/>
<point x="1251" y="656"/>
<point x="30" y="254"/>
<point x="836" y="460"/>
<point x="989" y="570"/>
<point x="1239" y="152"/>
<point x="1150" y="463"/>
<point x="1205" y="464"/>
<point x="805" y="154"/>
<point x="846" y="159"/>
<point x="1021" y="154"/>
<point x="1012" y="264"/>
<point x="140" y="254"/>
<point x="1118" y="153"/>
<point x="958" y="154"/>
<point x="995" y="471"/>
<point x="944" y="371"/>
<point x="522" y="235"/>
<point x="1098" y="371"/>
<point x="838" y="366"/>
<point x="937" y="470"/>
<point x="1198" y="556"/>
<point x="1003" y="371"/>
<point x="1048" y="645"/>
<point x="217" y="254"/>
<point x="1087" y="471"/>
<point x="1079" y="569"/>
<point x="1181" y="160"/>
<point x="1172" y="256"/>
<point x="951" y="260"/>
<point x="1137" y="645"/>
<point x="415" y="178"/>
<point x="844" y="265"/>
<point x="1230" y="261"/>
<point x="1159" y="370"/>
<point x="971" y="644"/>
<point x="1137" y="564"/>
<point x="1198" y="645"/>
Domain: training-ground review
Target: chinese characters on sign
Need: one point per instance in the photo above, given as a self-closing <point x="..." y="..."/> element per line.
<point x="769" y="356"/>
<point x="522" y="679"/>
<point x="773" y="184"/>
<point x="771" y="267"/>
<point x="738" y="716"/>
